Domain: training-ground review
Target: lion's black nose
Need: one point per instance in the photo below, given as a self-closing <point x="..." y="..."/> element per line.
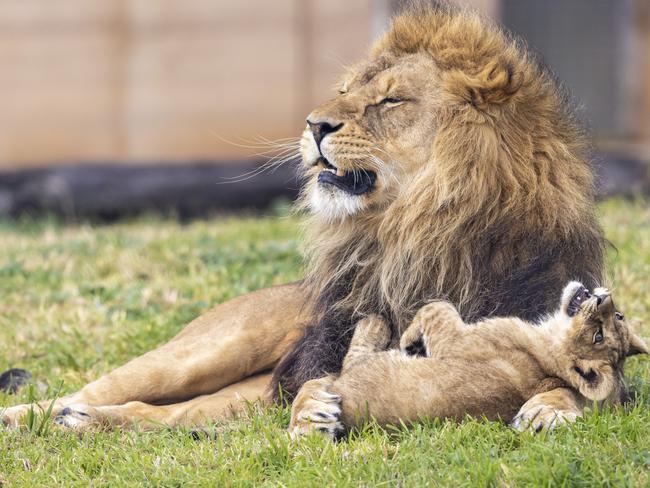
<point x="321" y="129"/>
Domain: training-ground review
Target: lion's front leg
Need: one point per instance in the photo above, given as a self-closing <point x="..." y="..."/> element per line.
<point x="316" y="409"/>
<point x="197" y="412"/>
<point x="234" y="341"/>
<point x="548" y="410"/>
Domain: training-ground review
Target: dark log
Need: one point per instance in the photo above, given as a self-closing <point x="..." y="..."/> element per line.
<point x="110" y="191"/>
<point x="619" y="174"/>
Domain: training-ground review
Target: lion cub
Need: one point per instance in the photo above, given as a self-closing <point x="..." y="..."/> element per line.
<point x="490" y="368"/>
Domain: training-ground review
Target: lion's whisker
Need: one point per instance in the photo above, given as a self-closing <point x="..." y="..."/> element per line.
<point x="270" y="146"/>
<point x="272" y="165"/>
<point x="383" y="168"/>
<point x="273" y="162"/>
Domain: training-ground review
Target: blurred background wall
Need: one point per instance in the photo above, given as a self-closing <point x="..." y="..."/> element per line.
<point x="152" y="80"/>
<point x="162" y="85"/>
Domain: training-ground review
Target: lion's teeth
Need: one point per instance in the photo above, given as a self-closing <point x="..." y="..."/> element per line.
<point x="339" y="172"/>
<point x="331" y="170"/>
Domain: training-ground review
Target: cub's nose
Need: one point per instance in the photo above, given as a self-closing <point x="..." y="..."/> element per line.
<point x="605" y="303"/>
<point x="321" y="128"/>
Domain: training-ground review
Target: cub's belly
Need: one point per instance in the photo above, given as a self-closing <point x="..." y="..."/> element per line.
<point x="407" y="390"/>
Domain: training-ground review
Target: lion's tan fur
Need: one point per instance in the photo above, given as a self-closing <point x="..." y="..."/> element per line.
<point x="505" y="163"/>
<point x="490" y="368"/>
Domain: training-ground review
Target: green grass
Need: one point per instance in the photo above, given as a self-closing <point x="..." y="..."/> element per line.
<point x="77" y="301"/>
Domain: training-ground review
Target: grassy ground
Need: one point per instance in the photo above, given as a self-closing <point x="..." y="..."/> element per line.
<point x="77" y="301"/>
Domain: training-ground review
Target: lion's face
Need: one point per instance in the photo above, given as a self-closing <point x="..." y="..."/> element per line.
<point x="360" y="147"/>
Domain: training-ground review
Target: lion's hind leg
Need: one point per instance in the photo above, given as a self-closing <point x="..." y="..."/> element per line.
<point x="433" y="322"/>
<point x="372" y="334"/>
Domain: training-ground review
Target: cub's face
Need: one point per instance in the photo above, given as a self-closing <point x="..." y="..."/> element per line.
<point x="360" y="147"/>
<point x="596" y="344"/>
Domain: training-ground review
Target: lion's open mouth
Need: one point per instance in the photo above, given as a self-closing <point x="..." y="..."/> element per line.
<point x="352" y="182"/>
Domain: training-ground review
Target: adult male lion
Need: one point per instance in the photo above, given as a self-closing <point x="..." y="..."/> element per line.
<point x="447" y="166"/>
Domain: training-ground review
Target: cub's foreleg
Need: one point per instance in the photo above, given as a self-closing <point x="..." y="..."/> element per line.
<point x="549" y="409"/>
<point x="371" y="334"/>
<point x="316" y="409"/>
<point x="432" y="324"/>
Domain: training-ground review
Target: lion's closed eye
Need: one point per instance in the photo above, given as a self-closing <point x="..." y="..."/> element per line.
<point x="391" y="101"/>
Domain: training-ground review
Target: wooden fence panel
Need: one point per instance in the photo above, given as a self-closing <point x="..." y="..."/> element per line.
<point x="152" y="80"/>
<point x="202" y="71"/>
<point x="59" y="62"/>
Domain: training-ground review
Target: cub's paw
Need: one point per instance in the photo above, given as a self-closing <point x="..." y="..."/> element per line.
<point x="372" y="331"/>
<point x="537" y="418"/>
<point x="316" y="410"/>
<point x="412" y="343"/>
<point x="417" y="339"/>
<point x="548" y="410"/>
<point x="78" y="417"/>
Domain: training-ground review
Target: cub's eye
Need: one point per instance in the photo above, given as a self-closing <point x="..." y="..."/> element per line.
<point x="391" y="101"/>
<point x="619" y="316"/>
<point x="598" y="337"/>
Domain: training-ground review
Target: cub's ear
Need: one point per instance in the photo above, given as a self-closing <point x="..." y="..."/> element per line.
<point x="637" y="346"/>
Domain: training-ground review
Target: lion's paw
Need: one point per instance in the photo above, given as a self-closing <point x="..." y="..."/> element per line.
<point x="316" y="410"/>
<point x="14" y="417"/>
<point x="77" y="417"/>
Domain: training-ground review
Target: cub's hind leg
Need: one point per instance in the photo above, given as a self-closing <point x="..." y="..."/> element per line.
<point x="371" y="335"/>
<point x="433" y="323"/>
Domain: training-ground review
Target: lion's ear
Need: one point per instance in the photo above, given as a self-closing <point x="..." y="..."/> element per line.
<point x="496" y="83"/>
